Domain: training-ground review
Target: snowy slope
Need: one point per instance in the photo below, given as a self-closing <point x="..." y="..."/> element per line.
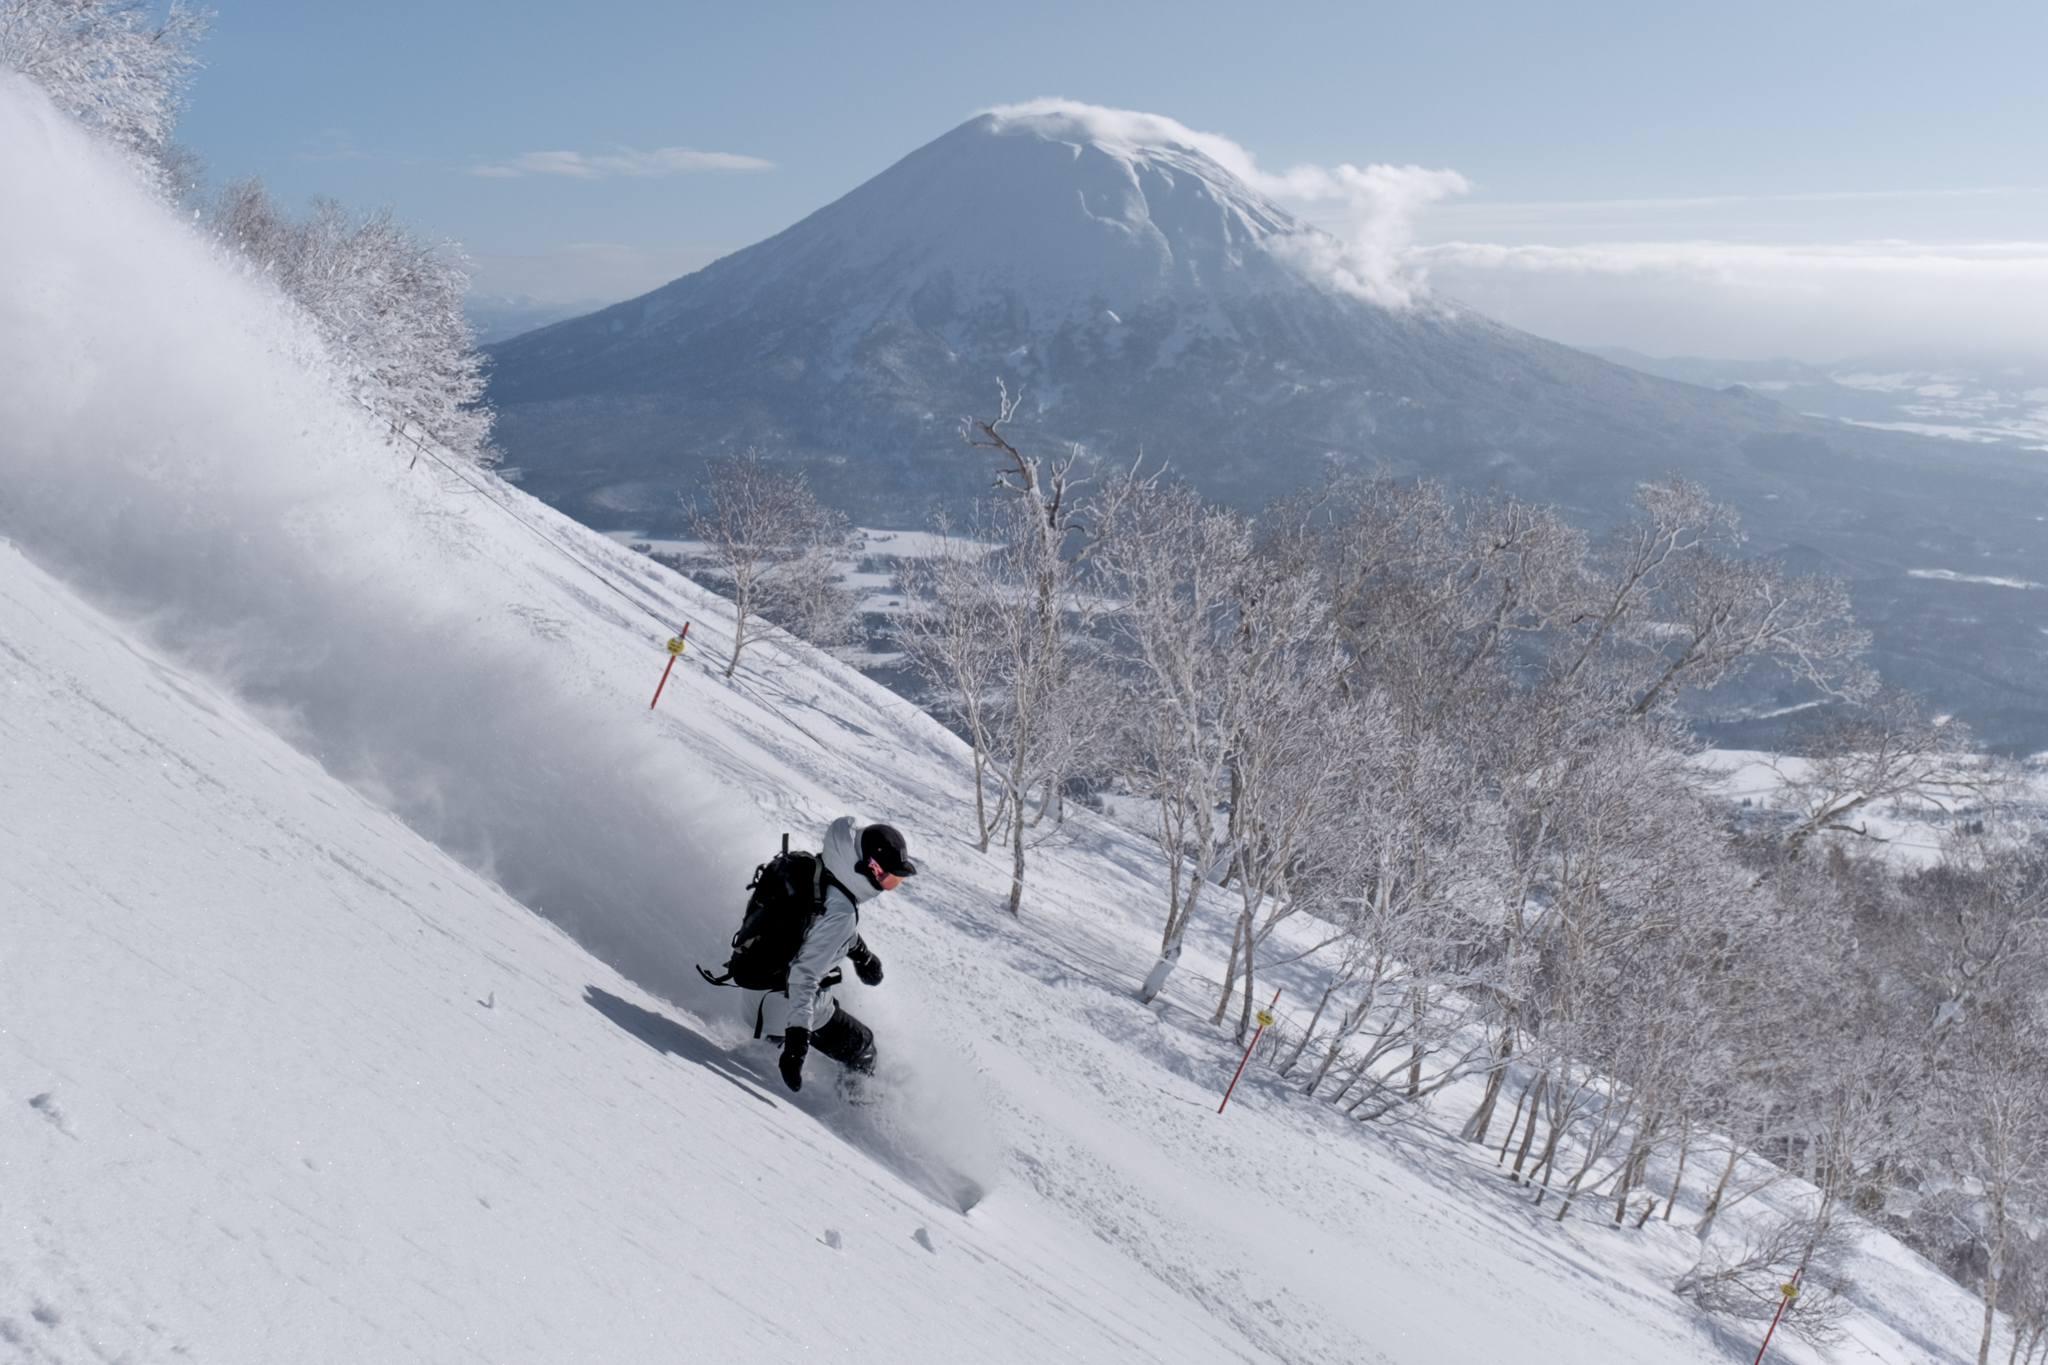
<point x="296" y="742"/>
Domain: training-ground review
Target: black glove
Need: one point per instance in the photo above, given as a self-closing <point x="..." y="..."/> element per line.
<point x="796" y="1045"/>
<point x="866" y="965"/>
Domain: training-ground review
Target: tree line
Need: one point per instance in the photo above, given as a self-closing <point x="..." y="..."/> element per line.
<point x="1436" y="738"/>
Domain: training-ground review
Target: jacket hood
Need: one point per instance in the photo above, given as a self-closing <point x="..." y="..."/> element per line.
<point x="842" y="850"/>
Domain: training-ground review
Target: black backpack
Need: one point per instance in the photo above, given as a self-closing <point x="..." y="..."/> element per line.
<point x="789" y="892"/>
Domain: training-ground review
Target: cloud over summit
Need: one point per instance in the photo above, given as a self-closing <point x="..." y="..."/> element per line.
<point x="1376" y="206"/>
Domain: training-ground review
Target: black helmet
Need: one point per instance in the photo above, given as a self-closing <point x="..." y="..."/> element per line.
<point x="884" y="844"/>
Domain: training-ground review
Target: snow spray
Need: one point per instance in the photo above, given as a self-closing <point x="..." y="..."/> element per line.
<point x="1265" y="1017"/>
<point x="174" y="445"/>
<point x="930" y="1124"/>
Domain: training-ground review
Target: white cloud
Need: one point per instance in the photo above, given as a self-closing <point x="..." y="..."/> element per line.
<point x="1818" y="216"/>
<point x="1819" y="303"/>
<point x="1126" y="129"/>
<point x="625" y="161"/>
<point x="1376" y="207"/>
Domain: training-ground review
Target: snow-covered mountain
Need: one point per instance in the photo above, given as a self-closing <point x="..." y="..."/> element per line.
<point x="1148" y="299"/>
<point x="1136" y="288"/>
<point x="349" y="890"/>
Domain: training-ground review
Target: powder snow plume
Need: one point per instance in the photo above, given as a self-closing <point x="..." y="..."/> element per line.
<point x="171" y="443"/>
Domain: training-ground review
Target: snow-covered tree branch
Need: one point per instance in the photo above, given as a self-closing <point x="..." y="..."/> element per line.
<point x="775" y="550"/>
<point x="110" y="64"/>
<point x="388" y="306"/>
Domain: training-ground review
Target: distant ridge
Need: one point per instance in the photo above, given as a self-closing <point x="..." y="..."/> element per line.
<point x="1146" y="298"/>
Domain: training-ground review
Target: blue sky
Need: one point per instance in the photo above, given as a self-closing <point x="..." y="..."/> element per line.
<point x="1791" y="178"/>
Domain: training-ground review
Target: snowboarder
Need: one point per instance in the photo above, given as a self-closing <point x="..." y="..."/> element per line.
<point x="863" y="861"/>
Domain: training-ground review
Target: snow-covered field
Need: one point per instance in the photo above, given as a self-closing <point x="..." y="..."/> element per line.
<point x="1980" y="401"/>
<point x="877" y="588"/>
<point x="349" y="896"/>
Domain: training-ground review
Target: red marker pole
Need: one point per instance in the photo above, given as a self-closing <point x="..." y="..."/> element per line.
<point x="675" y="651"/>
<point x="1786" y="1293"/>
<point x="1265" y="1017"/>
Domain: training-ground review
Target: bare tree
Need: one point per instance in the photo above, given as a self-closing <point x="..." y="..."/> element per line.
<point x="1617" y="873"/>
<point x="1013" y="636"/>
<point x="1430" y="596"/>
<point x="387" y="306"/>
<point x="1288" y="738"/>
<point x="1432" y="601"/>
<point x="1667" y="610"/>
<point x="1718" y="613"/>
<point x="1977" y="931"/>
<point x="2023" y="1294"/>
<point x="1173" y="565"/>
<point x="775" y="550"/>
<point x="1992" y="1109"/>
<point x="1750" y="1278"/>
<point x="950" y="631"/>
<point x="1885" y="750"/>
<point x="1414" y="969"/>
<point x="1675" y="517"/>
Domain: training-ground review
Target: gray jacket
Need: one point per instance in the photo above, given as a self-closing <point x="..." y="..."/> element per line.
<point x="827" y="942"/>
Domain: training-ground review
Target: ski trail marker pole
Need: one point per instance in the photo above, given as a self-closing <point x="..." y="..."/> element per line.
<point x="1265" y="1017"/>
<point x="1786" y="1293"/>
<point x="675" y="651"/>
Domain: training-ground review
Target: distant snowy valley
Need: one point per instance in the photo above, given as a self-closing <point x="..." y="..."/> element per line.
<point x="1995" y="402"/>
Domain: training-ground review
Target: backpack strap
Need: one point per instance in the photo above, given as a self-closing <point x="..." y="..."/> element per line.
<point x="827" y="879"/>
